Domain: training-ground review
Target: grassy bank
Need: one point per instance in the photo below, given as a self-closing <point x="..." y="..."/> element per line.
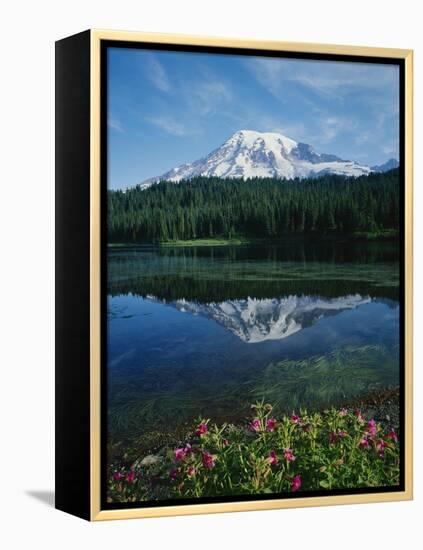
<point x="236" y="241"/>
<point x="383" y="235"/>
<point x="219" y="241"/>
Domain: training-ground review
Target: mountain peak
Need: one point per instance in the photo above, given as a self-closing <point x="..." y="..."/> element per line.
<point x="252" y="137"/>
<point x="248" y="154"/>
<point x="388" y="165"/>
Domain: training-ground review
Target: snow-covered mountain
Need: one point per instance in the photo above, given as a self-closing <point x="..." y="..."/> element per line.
<point x="388" y="165"/>
<point x="254" y="320"/>
<point x="248" y="154"/>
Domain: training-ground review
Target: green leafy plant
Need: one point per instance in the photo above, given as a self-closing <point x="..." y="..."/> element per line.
<point x="334" y="449"/>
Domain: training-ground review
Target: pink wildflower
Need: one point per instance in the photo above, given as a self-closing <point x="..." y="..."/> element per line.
<point x="173" y="474"/>
<point x="255" y="425"/>
<point x="273" y="459"/>
<point x="208" y="460"/>
<point x="270" y="424"/>
<point x="191" y="471"/>
<point x="296" y="483"/>
<point x="360" y="417"/>
<point x="130" y="477"/>
<point x="202" y="429"/>
<point x="371" y="427"/>
<point x="289" y="455"/>
<point x="180" y="453"/>
<point x="364" y="442"/>
<point x="393" y="436"/>
<point x="335" y="436"/>
<point x="295" y="419"/>
<point x="343" y="412"/>
<point x="380" y="447"/>
<point x="117" y="476"/>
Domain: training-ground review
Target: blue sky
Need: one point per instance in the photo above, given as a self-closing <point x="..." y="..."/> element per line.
<point x="168" y="108"/>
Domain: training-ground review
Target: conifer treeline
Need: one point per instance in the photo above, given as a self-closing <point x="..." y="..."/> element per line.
<point x="257" y="208"/>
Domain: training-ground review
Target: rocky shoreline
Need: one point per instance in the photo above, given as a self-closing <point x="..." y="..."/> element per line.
<point x="383" y="405"/>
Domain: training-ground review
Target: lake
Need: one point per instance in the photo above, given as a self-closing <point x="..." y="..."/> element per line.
<point x="206" y="331"/>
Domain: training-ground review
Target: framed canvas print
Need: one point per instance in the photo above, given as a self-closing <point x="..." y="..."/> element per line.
<point x="234" y="279"/>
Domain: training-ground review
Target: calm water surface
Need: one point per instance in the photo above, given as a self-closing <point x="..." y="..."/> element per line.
<point x="208" y="330"/>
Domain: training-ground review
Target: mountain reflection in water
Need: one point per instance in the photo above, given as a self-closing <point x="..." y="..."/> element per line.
<point x="254" y="320"/>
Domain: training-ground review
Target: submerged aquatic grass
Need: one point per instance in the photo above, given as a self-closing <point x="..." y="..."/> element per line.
<point x="147" y="412"/>
<point x="324" y="380"/>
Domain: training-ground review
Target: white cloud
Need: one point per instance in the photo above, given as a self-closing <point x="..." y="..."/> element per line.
<point x="157" y="74"/>
<point x="326" y="78"/>
<point x="390" y="150"/>
<point x="269" y="73"/>
<point x="207" y="95"/>
<point x="363" y="137"/>
<point x="319" y="130"/>
<point x="332" y="126"/>
<point x="296" y="131"/>
<point x="170" y="126"/>
<point x="114" y="123"/>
